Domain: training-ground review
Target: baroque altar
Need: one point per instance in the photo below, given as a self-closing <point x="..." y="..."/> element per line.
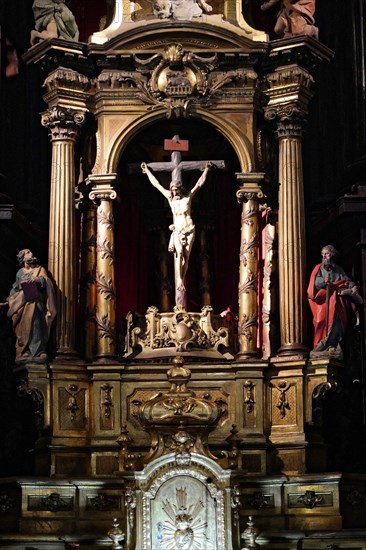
<point x="171" y="464"/>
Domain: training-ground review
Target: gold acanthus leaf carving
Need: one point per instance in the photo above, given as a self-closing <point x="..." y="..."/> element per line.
<point x="249" y="215"/>
<point x="251" y="283"/>
<point x="105" y="287"/>
<point x="248" y="247"/>
<point x="104" y="327"/>
<point x="105" y="218"/>
<point x="106" y="250"/>
<point x="246" y="324"/>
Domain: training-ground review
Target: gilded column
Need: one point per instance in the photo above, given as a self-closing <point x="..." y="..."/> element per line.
<point x="88" y="291"/>
<point x="289" y="96"/>
<point x="249" y="195"/>
<point x="269" y="288"/>
<point x="103" y="194"/>
<point x="64" y="125"/>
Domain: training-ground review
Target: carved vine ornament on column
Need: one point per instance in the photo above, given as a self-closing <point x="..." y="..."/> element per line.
<point x="247" y="255"/>
<point x="105" y="249"/>
<point x="175" y="79"/>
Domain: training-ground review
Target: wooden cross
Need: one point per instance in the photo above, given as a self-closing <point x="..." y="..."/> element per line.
<point x="176" y="165"/>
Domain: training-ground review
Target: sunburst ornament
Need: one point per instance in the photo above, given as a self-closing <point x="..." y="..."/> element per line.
<point x="184" y="530"/>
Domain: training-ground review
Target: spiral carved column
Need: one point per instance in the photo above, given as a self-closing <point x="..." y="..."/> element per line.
<point x="64" y="125"/>
<point x="104" y="194"/>
<point x="249" y="195"/>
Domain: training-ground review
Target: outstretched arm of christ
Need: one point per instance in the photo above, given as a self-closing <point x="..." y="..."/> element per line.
<point x="202" y="179"/>
<point x="145" y="170"/>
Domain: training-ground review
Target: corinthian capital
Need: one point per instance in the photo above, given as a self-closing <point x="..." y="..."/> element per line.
<point x="63" y="123"/>
<point x="291" y="119"/>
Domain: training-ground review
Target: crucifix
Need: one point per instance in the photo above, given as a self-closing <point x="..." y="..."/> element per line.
<point x="180" y="200"/>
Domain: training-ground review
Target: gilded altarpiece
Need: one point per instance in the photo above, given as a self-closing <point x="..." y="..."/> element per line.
<point x="145" y="74"/>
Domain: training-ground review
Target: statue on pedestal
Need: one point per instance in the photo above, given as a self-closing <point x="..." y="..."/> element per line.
<point x="332" y="297"/>
<point x="32" y="309"/>
<point x="53" y="20"/>
<point x="296" y="17"/>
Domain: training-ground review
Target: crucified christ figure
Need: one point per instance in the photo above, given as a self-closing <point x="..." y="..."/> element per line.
<point x="183" y="229"/>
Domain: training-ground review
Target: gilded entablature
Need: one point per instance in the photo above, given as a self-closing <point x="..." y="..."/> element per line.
<point x="177" y="79"/>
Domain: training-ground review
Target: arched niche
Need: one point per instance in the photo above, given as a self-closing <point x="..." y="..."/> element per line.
<point x="143" y="216"/>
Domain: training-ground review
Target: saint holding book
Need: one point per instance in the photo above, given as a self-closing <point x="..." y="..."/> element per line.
<point x="31" y="308"/>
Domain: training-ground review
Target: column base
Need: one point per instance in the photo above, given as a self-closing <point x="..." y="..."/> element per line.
<point x="293" y="349"/>
<point x="67" y="355"/>
<point x="250" y="355"/>
<point x="106" y="359"/>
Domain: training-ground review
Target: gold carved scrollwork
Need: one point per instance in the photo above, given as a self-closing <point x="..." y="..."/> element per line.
<point x="177" y="79"/>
